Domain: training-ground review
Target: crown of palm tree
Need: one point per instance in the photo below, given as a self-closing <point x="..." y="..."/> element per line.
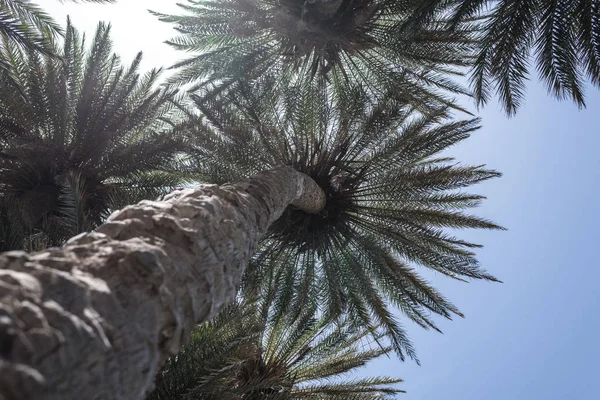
<point x="342" y="41"/>
<point x="79" y="137"/>
<point x="249" y="353"/>
<point x="389" y="194"/>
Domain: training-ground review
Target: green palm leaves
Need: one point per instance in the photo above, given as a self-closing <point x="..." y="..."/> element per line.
<point x="390" y="196"/>
<point x="24" y="23"/>
<point x="27" y="24"/>
<point x="81" y="136"/>
<point x="335" y="89"/>
<point x="563" y="35"/>
<point x="245" y="353"/>
<point x="350" y="42"/>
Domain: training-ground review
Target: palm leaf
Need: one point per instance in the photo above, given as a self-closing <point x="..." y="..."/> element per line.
<point x="248" y="353"/>
<point x="562" y="34"/>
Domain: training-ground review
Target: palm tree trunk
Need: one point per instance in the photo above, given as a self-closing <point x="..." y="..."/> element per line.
<point x="95" y="318"/>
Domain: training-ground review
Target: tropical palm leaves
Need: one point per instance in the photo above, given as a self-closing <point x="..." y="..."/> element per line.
<point x="390" y="195"/>
<point x="563" y="36"/>
<point x="350" y="42"/>
<point x="24" y="23"/>
<point x="80" y="136"/>
<point x="246" y="353"/>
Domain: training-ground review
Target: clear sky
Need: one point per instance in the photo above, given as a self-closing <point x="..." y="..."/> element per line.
<point x="534" y="337"/>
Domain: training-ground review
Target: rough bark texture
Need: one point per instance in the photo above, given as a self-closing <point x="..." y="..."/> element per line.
<point x="95" y="318"/>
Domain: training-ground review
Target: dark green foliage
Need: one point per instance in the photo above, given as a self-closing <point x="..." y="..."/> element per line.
<point x="79" y="136"/>
<point x="390" y="194"/>
<point x="24" y="23"/>
<point x="345" y="43"/>
<point x="247" y="354"/>
<point x="563" y="35"/>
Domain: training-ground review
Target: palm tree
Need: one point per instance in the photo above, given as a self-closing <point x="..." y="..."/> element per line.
<point x="389" y="195"/>
<point x="363" y="198"/>
<point x="563" y="35"/>
<point x="343" y="42"/>
<point x="80" y="137"/>
<point x="109" y="306"/>
<point x="247" y="353"/>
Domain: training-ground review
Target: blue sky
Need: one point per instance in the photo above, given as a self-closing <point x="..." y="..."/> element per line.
<point x="535" y="336"/>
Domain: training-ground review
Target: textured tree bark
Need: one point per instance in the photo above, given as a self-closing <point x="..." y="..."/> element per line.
<point x="95" y="318"/>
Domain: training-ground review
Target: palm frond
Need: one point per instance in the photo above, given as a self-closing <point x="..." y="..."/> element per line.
<point x="391" y="198"/>
<point x="248" y="353"/>
<point x="28" y="25"/>
<point x="562" y="34"/>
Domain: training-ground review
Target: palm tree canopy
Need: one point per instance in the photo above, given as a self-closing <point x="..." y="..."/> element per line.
<point x="389" y="194"/>
<point x="245" y="353"/>
<point x="343" y="42"/>
<point x="80" y="136"/>
<point x="562" y="35"/>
